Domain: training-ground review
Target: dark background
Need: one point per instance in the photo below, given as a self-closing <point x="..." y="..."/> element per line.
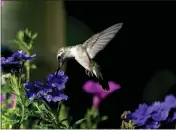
<point x="144" y="45"/>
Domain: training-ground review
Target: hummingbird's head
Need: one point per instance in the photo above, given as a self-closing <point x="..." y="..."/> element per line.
<point x="60" y="53"/>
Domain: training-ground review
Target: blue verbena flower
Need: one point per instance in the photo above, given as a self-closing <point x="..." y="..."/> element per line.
<point x="57" y="81"/>
<point x="34" y="90"/>
<point x="152" y="125"/>
<point x="51" y="90"/>
<point x="140" y="115"/>
<point x="9" y="60"/>
<point x="55" y="96"/>
<point x="170" y="101"/>
<point x="159" y="111"/>
<point x="22" y="55"/>
<point x="16" y="58"/>
<point x="152" y="116"/>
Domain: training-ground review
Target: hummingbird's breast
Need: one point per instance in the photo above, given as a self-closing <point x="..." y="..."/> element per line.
<point x="81" y="56"/>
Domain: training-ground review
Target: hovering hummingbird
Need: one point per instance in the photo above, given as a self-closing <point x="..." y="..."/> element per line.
<point x="84" y="53"/>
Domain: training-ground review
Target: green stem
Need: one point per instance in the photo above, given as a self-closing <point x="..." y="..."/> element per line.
<point x="22" y="118"/>
<point x="21" y="90"/>
<point x="28" y="69"/>
<point x="52" y="114"/>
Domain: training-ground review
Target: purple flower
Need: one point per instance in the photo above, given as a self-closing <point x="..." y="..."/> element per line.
<point x="16" y="58"/>
<point x="170" y="101"/>
<point x="152" y="125"/>
<point x="161" y="114"/>
<point x="140" y="115"/>
<point x="9" y="60"/>
<point x="159" y="111"/>
<point x="57" y="81"/>
<point x="152" y="116"/>
<point x="3" y="97"/>
<point x="22" y="55"/>
<point x="98" y="93"/>
<point x="33" y="90"/>
<point x="12" y="103"/>
<point x="51" y="90"/>
<point x="55" y="96"/>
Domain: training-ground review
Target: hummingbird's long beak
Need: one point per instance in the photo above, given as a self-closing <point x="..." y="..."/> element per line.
<point x="59" y="66"/>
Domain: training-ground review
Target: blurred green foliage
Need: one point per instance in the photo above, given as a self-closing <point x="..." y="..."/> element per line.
<point x="93" y="118"/>
<point x="158" y="86"/>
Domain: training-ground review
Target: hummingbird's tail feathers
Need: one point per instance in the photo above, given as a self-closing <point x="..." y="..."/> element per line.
<point x="98" y="74"/>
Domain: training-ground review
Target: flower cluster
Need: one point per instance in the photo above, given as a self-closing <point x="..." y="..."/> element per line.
<point x="51" y="90"/>
<point x="98" y="93"/>
<point x="12" y="104"/>
<point x="16" y="58"/>
<point x="152" y="116"/>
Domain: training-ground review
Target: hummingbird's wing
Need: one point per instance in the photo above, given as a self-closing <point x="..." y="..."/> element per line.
<point x="98" y="41"/>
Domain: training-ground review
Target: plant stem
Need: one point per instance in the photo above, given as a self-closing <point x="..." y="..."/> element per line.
<point x="28" y="69"/>
<point x="52" y="114"/>
<point x="23" y="110"/>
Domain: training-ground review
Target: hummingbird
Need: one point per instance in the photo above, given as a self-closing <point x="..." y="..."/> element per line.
<point x="85" y="53"/>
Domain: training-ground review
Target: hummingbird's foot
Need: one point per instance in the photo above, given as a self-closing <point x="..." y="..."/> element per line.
<point x="88" y="72"/>
<point x="91" y="74"/>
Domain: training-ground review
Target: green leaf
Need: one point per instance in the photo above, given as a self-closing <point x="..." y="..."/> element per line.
<point x="21" y="45"/>
<point x="30" y="46"/>
<point x="78" y="123"/>
<point x="26" y="31"/>
<point x="34" y="113"/>
<point x="20" y="35"/>
<point x="34" y="36"/>
<point x="103" y="118"/>
<point x="63" y="113"/>
<point x="11" y="122"/>
<point x="27" y="103"/>
<point x="127" y="125"/>
<point x="44" y="126"/>
<point x="33" y="66"/>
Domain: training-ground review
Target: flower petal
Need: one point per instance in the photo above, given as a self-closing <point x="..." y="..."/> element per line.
<point x="92" y="87"/>
<point x="3" y="97"/>
<point x="113" y="87"/>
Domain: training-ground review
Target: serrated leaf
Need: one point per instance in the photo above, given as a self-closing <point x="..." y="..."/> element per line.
<point x="20" y="35"/>
<point x="26" y="31"/>
<point x="21" y="45"/>
<point x="34" y="113"/>
<point x="29" y="34"/>
<point x="34" y="35"/>
<point x="11" y="122"/>
<point x="29" y="46"/>
<point x="45" y="126"/>
<point x="27" y="103"/>
<point x="78" y="123"/>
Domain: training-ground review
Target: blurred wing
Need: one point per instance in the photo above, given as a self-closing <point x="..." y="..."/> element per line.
<point x="98" y="41"/>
